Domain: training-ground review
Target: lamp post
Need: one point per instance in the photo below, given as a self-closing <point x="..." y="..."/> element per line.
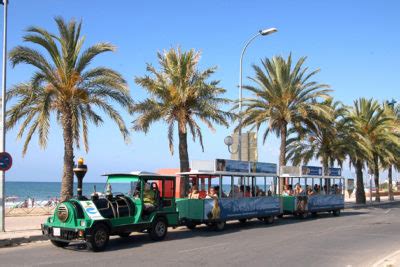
<point x="3" y="118"/>
<point x="260" y="33"/>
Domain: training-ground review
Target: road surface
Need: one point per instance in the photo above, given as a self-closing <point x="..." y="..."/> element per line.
<point x="356" y="238"/>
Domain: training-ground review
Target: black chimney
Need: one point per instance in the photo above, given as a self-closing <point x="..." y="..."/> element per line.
<point x="80" y="171"/>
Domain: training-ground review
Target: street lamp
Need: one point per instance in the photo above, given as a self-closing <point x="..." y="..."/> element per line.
<point x="3" y="118"/>
<point x="391" y="103"/>
<point x="263" y="32"/>
<point x="229" y="142"/>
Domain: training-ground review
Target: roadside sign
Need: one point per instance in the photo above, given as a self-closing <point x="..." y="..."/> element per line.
<point x="5" y="161"/>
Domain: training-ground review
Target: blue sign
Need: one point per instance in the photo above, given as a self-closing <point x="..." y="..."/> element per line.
<point x="5" y="161"/>
<point x="311" y="170"/>
<point x="91" y="210"/>
<point x="263" y="167"/>
<point x="335" y="172"/>
<point x="228" y="165"/>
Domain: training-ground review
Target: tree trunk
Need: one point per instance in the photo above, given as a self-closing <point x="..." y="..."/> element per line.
<point x="360" y="193"/>
<point x="390" y="188"/>
<point x="325" y="165"/>
<point x="282" y="155"/>
<point x="376" y="179"/>
<point x="184" y="160"/>
<point x="68" y="174"/>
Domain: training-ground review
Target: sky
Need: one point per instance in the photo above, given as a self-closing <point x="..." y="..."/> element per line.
<point x="354" y="43"/>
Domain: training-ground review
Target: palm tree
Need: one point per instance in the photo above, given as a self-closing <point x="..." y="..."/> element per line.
<point x="326" y="142"/>
<point x="284" y="96"/>
<point x="372" y="122"/>
<point x="180" y="94"/>
<point x="394" y="162"/>
<point x="63" y="85"/>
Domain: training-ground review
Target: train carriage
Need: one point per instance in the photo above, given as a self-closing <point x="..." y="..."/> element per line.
<point x="320" y="193"/>
<point x="245" y="190"/>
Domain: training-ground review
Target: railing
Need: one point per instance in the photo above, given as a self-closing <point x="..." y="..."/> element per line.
<point x="30" y="207"/>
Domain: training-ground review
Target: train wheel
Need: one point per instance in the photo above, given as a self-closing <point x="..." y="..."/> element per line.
<point x="242" y="221"/>
<point x="269" y="219"/>
<point x="191" y="225"/>
<point x="99" y="238"/>
<point x="158" y="230"/>
<point x="336" y="213"/>
<point x="220" y="226"/>
<point x="303" y="215"/>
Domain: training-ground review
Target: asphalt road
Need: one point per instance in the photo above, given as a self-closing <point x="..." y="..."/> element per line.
<point x="356" y="238"/>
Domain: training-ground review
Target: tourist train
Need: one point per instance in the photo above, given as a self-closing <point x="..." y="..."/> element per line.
<point x="211" y="193"/>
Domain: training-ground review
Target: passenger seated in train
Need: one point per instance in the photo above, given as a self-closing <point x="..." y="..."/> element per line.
<point x="149" y="197"/>
<point x="310" y="191"/>
<point x="259" y="192"/>
<point x="335" y="189"/>
<point x="241" y="191"/>
<point x="217" y="188"/>
<point x="288" y="190"/>
<point x="194" y="194"/>
<point x="298" y="190"/>
<point x="248" y="191"/>
<point x="213" y="193"/>
<point x="317" y="188"/>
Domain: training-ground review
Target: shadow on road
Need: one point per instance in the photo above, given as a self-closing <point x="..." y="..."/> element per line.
<point x="202" y="231"/>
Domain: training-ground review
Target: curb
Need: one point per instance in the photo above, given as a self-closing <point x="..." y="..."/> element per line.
<point x="14" y="241"/>
<point x="374" y="204"/>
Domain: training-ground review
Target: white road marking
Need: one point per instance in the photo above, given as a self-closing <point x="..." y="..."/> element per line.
<point x="386" y="212"/>
<point x="199" y="248"/>
<point x="386" y="258"/>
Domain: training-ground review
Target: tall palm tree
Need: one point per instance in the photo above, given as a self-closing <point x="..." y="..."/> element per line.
<point x="63" y="85"/>
<point x="389" y="163"/>
<point x="285" y="96"/>
<point x="373" y="123"/>
<point x="180" y="94"/>
<point x="326" y="142"/>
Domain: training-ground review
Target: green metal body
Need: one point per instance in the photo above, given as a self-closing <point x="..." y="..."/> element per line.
<point x="289" y="204"/>
<point x="190" y="208"/>
<point x="82" y="215"/>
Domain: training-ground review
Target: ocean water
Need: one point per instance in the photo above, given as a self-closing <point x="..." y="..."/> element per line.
<point x="51" y="190"/>
<point x="44" y="190"/>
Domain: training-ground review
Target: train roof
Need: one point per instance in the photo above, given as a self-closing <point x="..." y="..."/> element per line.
<point x="140" y="174"/>
<point x="225" y="173"/>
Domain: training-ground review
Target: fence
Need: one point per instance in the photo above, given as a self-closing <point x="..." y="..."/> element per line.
<point x="30" y="207"/>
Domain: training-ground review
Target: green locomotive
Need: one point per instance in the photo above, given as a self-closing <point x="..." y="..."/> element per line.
<point x="94" y="220"/>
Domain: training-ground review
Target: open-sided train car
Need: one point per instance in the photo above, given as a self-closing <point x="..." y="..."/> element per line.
<point x="243" y="190"/>
<point x="319" y="193"/>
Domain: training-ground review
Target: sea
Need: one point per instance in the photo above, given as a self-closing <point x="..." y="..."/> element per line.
<point x="43" y="191"/>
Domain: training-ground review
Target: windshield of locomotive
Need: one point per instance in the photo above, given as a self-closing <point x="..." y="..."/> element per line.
<point x="129" y="187"/>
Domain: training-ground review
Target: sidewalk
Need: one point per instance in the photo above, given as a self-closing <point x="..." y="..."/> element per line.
<point x="25" y="229"/>
<point x="350" y="203"/>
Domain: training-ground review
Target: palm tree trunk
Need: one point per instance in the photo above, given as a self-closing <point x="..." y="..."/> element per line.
<point x="184" y="160"/>
<point x="325" y="165"/>
<point x="360" y="193"/>
<point x="68" y="175"/>
<point x="390" y="188"/>
<point x="282" y="155"/>
<point x="376" y="179"/>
